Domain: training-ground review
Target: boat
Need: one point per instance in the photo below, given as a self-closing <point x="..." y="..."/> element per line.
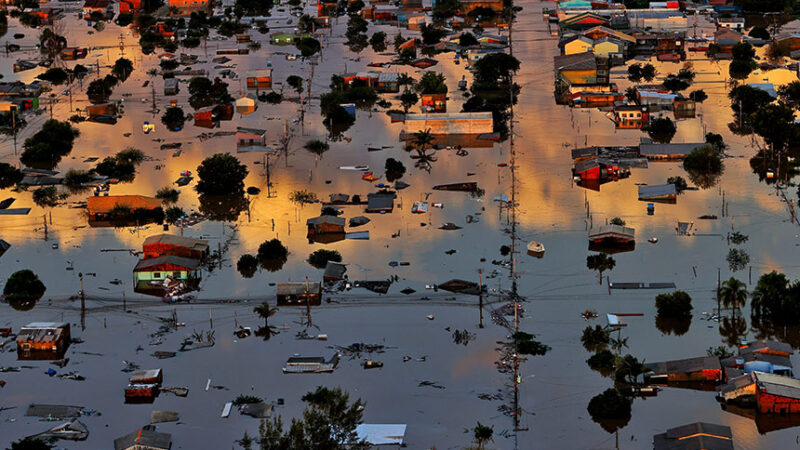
<point x="465" y="187"/>
<point x="449" y="226"/>
<point x="359" y="168"/>
<point x="652" y="240"/>
<point x="369" y="177"/>
<point x="419" y="208"/>
<point x="358" y="221"/>
<point x="370" y="364"/>
<point x="612" y="234"/>
<point x="536" y="249"/>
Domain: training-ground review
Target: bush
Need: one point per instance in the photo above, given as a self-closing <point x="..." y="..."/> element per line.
<point x="173" y="118"/>
<point x="271" y="97"/>
<point x="75" y="179"/>
<point x="675" y="304"/>
<point x="602" y="361"/>
<point x="679" y="182"/>
<point x="703" y="159"/>
<point x="46" y="148"/>
<point x="394" y="169"/>
<point x="246" y="399"/>
<point x="317" y="147"/>
<point x="661" y="130"/>
<point x="46" y="196"/>
<point x="596" y="338"/>
<point x="23" y="285"/>
<point x="320" y="258"/>
<point x="617" y="221"/>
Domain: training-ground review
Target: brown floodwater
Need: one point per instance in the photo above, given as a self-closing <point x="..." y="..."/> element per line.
<point x="554" y="390"/>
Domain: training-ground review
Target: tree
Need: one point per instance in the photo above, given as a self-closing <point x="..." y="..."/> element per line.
<point x="422" y="139"/>
<point x="635" y="72"/>
<point x="378" y="42"/>
<point x="772" y="298"/>
<point x="24" y="285"/>
<point x="9" y="175"/>
<point x="408" y="99"/>
<point x="431" y="34"/>
<point x="446" y="8"/>
<point x="394" y="169"/>
<point x="46" y="148"/>
<point x="319" y="259"/>
<point x="302" y="197"/>
<point x="737" y="259"/>
<point x="272" y="250"/>
<point x="609" y="405"/>
<point x="594" y="339"/>
<point x="46" y="196"/>
<point x="173" y="118"/>
<point x="526" y="344"/>
<point x="122" y="68"/>
<point x="648" y="72"/>
<point x="675" y="304"/>
<point x="743" y="51"/>
<point x="602" y="361"/>
<point x="629" y="369"/>
<point x="495" y="68"/>
<point x="759" y="33"/>
<point x="173" y="214"/>
<point x="600" y="262"/>
<point x="221" y="174"/>
<point x="699" y="96"/>
<point x="482" y="434"/>
<point x="773" y="122"/>
<point x="740" y="69"/>
<point x="432" y="83"/>
<point x="617" y="221"/>
<point x="703" y="159"/>
<point x="661" y="130"/>
<point x="631" y="94"/>
<point x="247" y="265"/>
<point x="674" y="83"/>
<point x="254" y="7"/>
<point x="745" y="100"/>
<point x="203" y="92"/>
<point x="679" y="182"/>
<point x="317" y="147"/>
<point x="308" y="46"/>
<point x="264" y="311"/>
<point x="733" y="293"/>
<point x="296" y="82"/>
<point x="467" y="39"/>
<point x="55" y="75"/>
<point x="99" y="91"/>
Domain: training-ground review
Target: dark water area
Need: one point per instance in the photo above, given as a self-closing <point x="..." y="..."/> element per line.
<point x="555" y="389"/>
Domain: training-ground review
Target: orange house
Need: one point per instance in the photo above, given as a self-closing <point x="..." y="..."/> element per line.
<point x="433" y="103"/>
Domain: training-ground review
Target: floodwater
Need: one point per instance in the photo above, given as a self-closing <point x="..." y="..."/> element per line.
<point x="554" y="390"/>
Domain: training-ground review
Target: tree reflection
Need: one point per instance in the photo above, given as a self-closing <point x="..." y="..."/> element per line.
<point x="266" y="332"/>
<point x="766" y="329"/>
<point x="272" y="265"/>
<point x="611" y="410"/>
<point x="771" y="167"/>
<point x="223" y="207"/>
<point x="23" y="305"/>
<point x="732" y="329"/>
<point x="673" y="325"/>
<point x="704" y="179"/>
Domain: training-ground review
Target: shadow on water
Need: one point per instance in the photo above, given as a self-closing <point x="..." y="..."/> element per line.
<point x="677" y="326"/>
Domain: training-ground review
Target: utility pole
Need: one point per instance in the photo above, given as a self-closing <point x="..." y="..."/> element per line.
<point x="308" y="305"/>
<point x="480" y="297"/>
<point x="83" y="303"/>
<point x="44" y="217"/>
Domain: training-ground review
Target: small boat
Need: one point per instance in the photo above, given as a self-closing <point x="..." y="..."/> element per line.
<point x="449" y="226"/>
<point x="358" y="221"/>
<point x="370" y="364"/>
<point x="419" y="208"/>
<point x="652" y="240"/>
<point x="536" y="249"/>
<point x="359" y="168"/>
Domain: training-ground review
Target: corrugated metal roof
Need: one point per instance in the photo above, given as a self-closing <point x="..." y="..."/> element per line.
<point x="298" y="288"/>
<point x="179" y="261"/>
<point x="661" y="190"/>
<point x="668" y="149"/>
<point x="196" y="244"/>
<point x="685" y="365"/>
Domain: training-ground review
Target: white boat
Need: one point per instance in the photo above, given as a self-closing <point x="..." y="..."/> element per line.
<point x="536" y="249"/>
<point x="363" y="168"/>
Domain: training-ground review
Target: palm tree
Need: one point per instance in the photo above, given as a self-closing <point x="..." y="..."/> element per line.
<point x="423" y="139"/>
<point x="482" y="434"/>
<point x="733" y="293"/>
<point x="405" y="80"/>
<point x="265" y="312"/>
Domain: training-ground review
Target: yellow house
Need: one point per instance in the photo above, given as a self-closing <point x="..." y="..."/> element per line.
<point x="576" y="44"/>
<point x="580" y="68"/>
<point x="606" y="47"/>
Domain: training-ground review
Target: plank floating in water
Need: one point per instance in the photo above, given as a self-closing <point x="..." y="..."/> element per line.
<point x="669" y="285"/>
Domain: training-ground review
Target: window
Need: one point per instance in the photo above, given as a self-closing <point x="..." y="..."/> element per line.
<point x="176" y="274"/>
<point x="156" y="274"/>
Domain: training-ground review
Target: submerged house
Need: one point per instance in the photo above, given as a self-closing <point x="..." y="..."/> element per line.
<point x="43" y="340"/>
<point x="631" y="117"/>
<point x="777" y="394"/>
<point x="259" y="79"/>
<point x="662" y="193"/>
<point x="695" y="436"/>
<point x="251" y="140"/>
<point x="176" y="268"/>
<point x="334" y="271"/>
<point x="704" y="368"/>
<point x="172" y="245"/>
<point x="673" y="151"/>
<point x="299" y="293"/>
<point x="450" y="123"/>
<point x="325" y="225"/>
<point x="380" y="202"/>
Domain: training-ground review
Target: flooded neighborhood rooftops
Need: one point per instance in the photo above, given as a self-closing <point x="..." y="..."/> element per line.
<point x="695" y="436"/>
<point x="767" y="346"/>
<point x="298" y="288"/>
<point x="685" y="365"/>
<point x="333" y="220"/>
<point x="778" y="385"/>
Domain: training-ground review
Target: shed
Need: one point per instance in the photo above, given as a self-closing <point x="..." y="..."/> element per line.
<point x="259" y="79"/>
<point x="450" y="123"/>
<point x="295" y="293"/>
<point x="170" y="244"/>
<point x="380" y="202"/>
<point x="146" y="438"/>
<point x="171" y="86"/>
<point x="150" y="376"/>
<point x="251" y="139"/>
<point x="695" y="436"/>
<point x="246" y="104"/>
<point x="388" y="82"/>
<point x="43" y="340"/>
<point x="325" y="224"/>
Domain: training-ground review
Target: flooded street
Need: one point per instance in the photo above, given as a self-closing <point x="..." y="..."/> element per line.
<point x="554" y="390"/>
